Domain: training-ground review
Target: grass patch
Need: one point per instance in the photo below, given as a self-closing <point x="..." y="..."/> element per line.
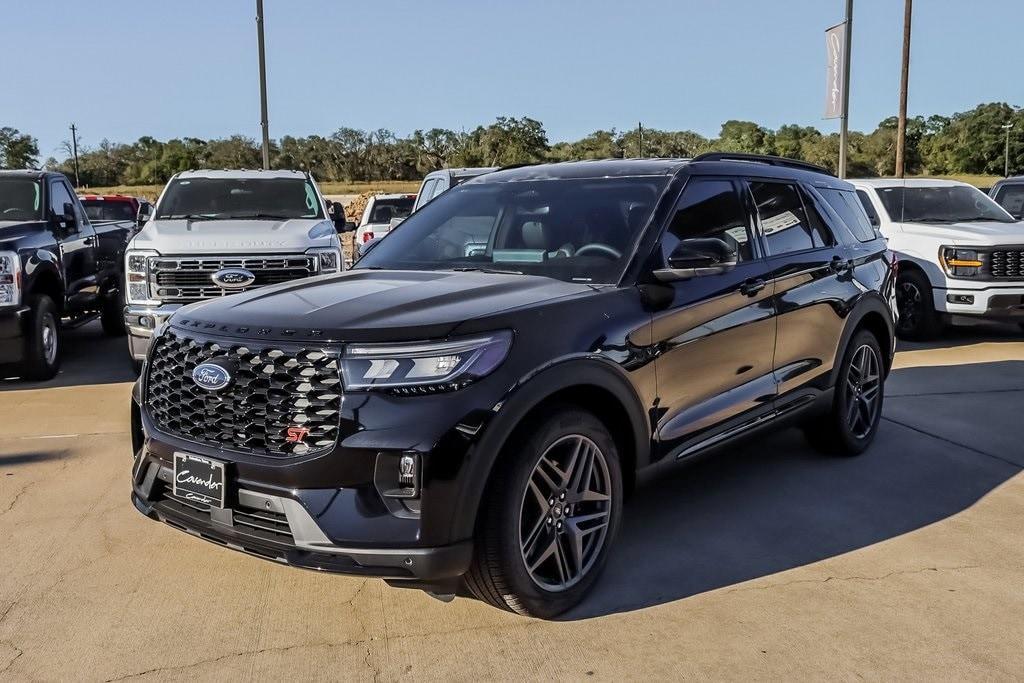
<point x="151" y="192"/>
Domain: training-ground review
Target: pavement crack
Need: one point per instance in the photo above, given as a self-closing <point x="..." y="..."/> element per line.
<point x="19" y="652"/>
<point x="955" y="443"/>
<point x="14" y="500"/>
<point x="831" y="579"/>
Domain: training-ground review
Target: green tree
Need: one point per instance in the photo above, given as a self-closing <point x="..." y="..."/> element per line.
<point x="745" y="136"/>
<point x="17" y="149"/>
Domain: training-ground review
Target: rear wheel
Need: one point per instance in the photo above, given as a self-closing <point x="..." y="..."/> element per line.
<point x="918" y="319"/>
<point x="551" y="512"/>
<point x="850" y="426"/>
<point x="43" y="346"/>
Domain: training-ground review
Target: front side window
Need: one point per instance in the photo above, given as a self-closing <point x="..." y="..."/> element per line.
<point x="239" y="198"/>
<point x="577" y="230"/>
<point x="789" y="225"/>
<point x="20" y="200"/>
<point x="710" y="208"/>
<point x="1011" y="198"/>
<point x="59" y="196"/>
<point x="846" y="204"/>
<point x="941" y="204"/>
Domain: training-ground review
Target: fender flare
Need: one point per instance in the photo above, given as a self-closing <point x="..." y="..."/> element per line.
<point x="592" y="371"/>
<point x="39" y="264"/>
<point x="868" y="304"/>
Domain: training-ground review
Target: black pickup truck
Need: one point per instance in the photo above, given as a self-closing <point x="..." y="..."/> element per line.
<point x="57" y="271"/>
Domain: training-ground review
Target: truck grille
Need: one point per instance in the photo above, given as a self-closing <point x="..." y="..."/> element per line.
<point x="275" y="391"/>
<point x="1008" y="263"/>
<point x="182" y="279"/>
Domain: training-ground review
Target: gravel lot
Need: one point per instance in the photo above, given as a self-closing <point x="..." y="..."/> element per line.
<point x="768" y="561"/>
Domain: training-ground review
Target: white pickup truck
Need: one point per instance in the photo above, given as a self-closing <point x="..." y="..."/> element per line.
<point x="215" y="233"/>
<point x="960" y="253"/>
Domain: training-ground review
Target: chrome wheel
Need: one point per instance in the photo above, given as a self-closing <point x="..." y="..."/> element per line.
<point x="48" y="338"/>
<point x="564" y="516"/>
<point x="863" y="391"/>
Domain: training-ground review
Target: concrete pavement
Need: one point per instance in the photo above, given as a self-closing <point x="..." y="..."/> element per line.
<point x="768" y="561"/>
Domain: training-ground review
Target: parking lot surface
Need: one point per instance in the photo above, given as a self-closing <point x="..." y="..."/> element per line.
<point x="766" y="561"/>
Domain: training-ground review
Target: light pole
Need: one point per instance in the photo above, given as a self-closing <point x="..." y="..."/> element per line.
<point x="1006" y="164"/>
<point x="901" y="125"/>
<point x="844" y="121"/>
<point x="263" y="86"/>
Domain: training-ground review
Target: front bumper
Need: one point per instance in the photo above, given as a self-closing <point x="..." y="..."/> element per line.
<point x="992" y="302"/>
<point x="12" y="333"/>
<point x="141" y="321"/>
<point x="281" y="529"/>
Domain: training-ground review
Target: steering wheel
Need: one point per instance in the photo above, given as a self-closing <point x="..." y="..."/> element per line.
<point x="13" y="209"/>
<point x="602" y="249"/>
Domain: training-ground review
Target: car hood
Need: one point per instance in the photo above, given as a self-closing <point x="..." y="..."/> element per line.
<point x="12" y="231"/>
<point x="970" y="233"/>
<point x="365" y="305"/>
<point x="231" y="236"/>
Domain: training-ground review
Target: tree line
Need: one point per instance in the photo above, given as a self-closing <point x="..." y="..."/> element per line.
<point x="970" y="142"/>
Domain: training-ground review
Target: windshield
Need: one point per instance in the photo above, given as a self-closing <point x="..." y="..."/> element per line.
<point x="20" y="200"/>
<point x="386" y="209"/>
<point x="579" y="230"/>
<point x="940" y="204"/>
<point x="1011" y="198"/>
<point x="101" y="210"/>
<point x="226" y="198"/>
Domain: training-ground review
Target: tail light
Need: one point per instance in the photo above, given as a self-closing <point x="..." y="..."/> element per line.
<point x="367" y="236"/>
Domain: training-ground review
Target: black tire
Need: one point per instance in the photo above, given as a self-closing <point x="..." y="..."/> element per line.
<point x="849" y="429"/>
<point x="43" y="347"/>
<point x="136" y="366"/>
<point x="918" y="319"/>
<point x="499" y="573"/>
<point x="112" y="315"/>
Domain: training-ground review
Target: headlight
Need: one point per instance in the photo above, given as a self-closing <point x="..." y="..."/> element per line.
<point x="136" y="273"/>
<point x="10" y="278"/>
<point x="329" y="258"/>
<point x="423" y="367"/>
<point x="961" y="262"/>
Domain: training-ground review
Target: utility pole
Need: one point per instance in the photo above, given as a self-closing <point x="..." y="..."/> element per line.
<point x="640" y="130"/>
<point x="844" y="122"/>
<point x="901" y="126"/>
<point x="1006" y="164"/>
<point x="74" y="151"/>
<point x="263" y="86"/>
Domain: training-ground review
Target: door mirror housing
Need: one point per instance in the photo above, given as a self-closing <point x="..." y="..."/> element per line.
<point x="341" y="224"/>
<point x="68" y="218"/>
<point x="698" y="257"/>
<point x="144" y="213"/>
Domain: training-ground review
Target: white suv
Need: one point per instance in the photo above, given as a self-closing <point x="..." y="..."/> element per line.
<point x="215" y="233"/>
<point x="960" y="253"/>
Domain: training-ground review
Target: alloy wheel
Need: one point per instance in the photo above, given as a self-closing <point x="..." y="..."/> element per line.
<point x="49" y="338"/>
<point x="863" y="391"/>
<point x="564" y="516"/>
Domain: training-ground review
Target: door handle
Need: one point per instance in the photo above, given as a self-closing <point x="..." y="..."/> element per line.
<point x="752" y="287"/>
<point x="841" y="265"/>
<point x="89" y="241"/>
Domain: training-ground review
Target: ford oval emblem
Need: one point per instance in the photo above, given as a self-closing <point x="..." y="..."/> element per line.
<point x="211" y="376"/>
<point x="233" y="278"/>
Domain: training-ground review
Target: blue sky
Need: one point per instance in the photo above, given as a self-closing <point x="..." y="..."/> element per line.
<point x="126" y="68"/>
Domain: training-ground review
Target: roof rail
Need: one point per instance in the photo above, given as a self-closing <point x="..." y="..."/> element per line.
<point x="763" y="159"/>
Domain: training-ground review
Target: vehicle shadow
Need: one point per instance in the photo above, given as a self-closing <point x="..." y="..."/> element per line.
<point x="975" y="332"/>
<point x="90" y="357"/>
<point x="773" y="504"/>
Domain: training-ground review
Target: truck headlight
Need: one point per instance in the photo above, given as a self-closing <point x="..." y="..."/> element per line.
<point x="423" y="367"/>
<point x="10" y="278"/>
<point x="961" y="262"/>
<point x="136" y="273"/>
<point x="328" y="258"/>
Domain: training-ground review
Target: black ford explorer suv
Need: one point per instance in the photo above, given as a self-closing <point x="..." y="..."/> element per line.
<point x="469" y="405"/>
<point x="57" y="270"/>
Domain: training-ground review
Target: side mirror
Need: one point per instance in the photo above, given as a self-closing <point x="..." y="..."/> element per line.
<point x="696" y="258"/>
<point x="144" y="213"/>
<point x="337" y="214"/>
<point x="68" y="217"/>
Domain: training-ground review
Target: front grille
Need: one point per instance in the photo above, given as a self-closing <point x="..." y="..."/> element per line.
<point x="179" y="279"/>
<point x="1006" y="263"/>
<point x="267" y="525"/>
<point x="274" y="390"/>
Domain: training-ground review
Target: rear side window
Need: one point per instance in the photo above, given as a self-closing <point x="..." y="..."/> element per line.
<point x="427" y="191"/>
<point x="789" y="225"/>
<point x="1011" y="198"/>
<point x="846" y="204"/>
<point x="710" y="208"/>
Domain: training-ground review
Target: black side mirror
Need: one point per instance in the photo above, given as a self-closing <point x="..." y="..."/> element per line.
<point x="337" y="213"/>
<point x="144" y="213"/>
<point x="698" y="257"/>
<point x="68" y="217"/>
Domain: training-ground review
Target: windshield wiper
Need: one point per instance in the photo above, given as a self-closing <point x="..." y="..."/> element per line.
<point x="260" y="216"/>
<point x="478" y="269"/>
<point x="189" y="217"/>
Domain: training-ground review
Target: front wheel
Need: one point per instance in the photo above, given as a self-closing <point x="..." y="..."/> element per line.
<point x="550" y="514"/>
<point x="43" y="346"/>
<point x="918" y="319"/>
<point x="850" y="426"/>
